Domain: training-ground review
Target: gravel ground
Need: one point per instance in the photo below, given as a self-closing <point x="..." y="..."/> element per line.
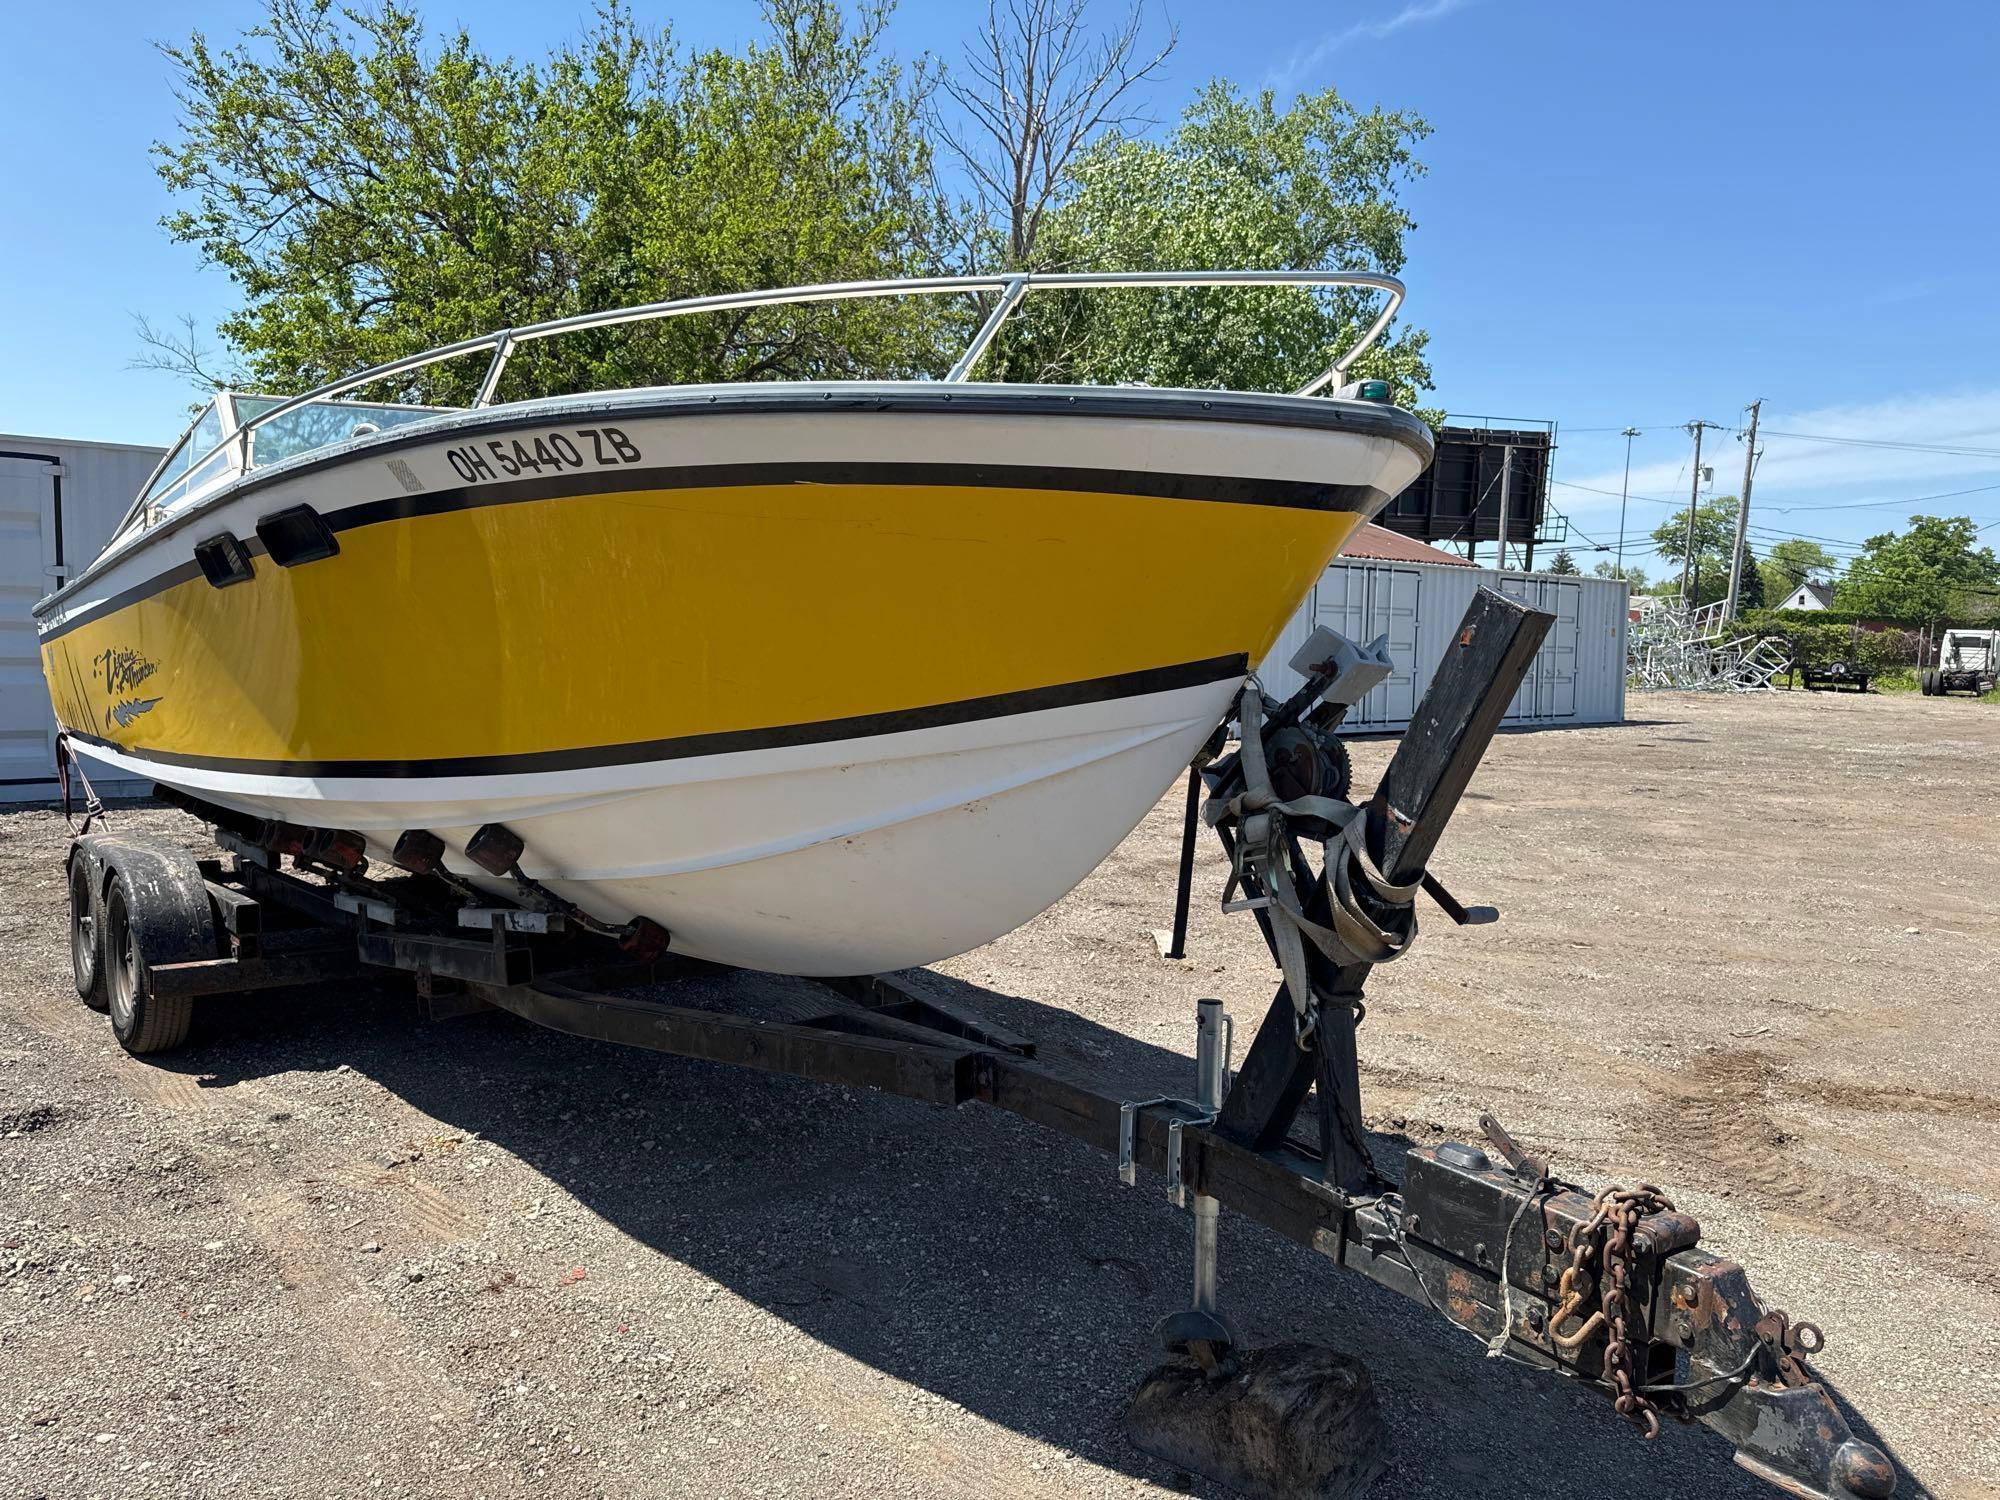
<point x="331" y="1249"/>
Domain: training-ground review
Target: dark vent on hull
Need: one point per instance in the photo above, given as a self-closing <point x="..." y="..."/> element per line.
<point x="298" y="535"/>
<point x="224" y="560"/>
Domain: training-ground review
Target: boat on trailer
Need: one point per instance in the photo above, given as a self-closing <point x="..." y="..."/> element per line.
<point x="818" y="677"/>
<point x="1609" y="1289"/>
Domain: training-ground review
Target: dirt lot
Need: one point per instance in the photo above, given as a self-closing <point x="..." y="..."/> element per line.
<point x="1749" y="953"/>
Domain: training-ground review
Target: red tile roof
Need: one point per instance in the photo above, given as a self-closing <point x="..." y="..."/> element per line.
<point x="1391" y="546"/>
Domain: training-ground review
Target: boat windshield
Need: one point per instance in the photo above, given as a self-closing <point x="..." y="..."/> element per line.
<point x="317" y="424"/>
<point x="197" y="464"/>
<point x="175" y="483"/>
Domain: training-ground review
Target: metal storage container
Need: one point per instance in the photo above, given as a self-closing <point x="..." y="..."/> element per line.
<point x="59" y="502"/>
<point x="1578" y="677"/>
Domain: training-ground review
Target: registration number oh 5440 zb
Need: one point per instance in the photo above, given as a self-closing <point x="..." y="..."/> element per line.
<point x="544" y="453"/>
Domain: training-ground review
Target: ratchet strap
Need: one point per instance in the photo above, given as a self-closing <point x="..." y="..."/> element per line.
<point x="1263" y="852"/>
<point x="67" y="766"/>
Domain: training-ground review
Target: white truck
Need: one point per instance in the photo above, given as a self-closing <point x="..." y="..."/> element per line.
<point x="1968" y="662"/>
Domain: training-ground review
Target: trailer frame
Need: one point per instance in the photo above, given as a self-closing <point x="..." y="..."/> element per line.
<point x="1482" y="1234"/>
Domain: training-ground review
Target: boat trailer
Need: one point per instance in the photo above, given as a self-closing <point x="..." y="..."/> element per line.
<point x="1608" y="1288"/>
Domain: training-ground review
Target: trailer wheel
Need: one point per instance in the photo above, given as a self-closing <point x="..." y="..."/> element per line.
<point x="86" y="933"/>
<point x="142" y="1021"/>
<point x="156" y="911"/>
<point x="1928" y="681"/>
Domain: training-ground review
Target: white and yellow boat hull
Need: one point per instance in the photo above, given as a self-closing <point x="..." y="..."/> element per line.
<point x="822" y="679"/>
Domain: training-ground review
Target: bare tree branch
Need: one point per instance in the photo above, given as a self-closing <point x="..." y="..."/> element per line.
<point x="179" y="352"/>
<point x="1037" y="89"/>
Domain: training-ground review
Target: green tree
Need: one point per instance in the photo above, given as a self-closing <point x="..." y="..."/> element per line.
<point x="1635" y="577"/>
<point x="1240" y="182"/>
<point x="1931" y="574"/>
<point x="1750" y="591"/>
<point x="1793" y="562"/>
<point x="1714" y="540"/>
<point x="373" y="192"/>
<point x="1563" y="563"/>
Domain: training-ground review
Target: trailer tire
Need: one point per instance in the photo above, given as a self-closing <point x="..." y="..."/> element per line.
<point x="1928" y="681"/>
<point x="156" y="911"/>
<point x="86" y="930"/>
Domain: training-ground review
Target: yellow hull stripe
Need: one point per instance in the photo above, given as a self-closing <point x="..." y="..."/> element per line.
<point x="620" y="619"/>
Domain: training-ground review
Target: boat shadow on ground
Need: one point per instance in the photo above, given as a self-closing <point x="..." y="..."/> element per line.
<point x="997" y="1265"/>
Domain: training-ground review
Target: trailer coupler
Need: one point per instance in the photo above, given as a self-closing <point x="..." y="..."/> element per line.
<point x="1549" y="1275"/>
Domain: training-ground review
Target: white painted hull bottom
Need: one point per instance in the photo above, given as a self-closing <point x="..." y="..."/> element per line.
<point x="849" y="857"/>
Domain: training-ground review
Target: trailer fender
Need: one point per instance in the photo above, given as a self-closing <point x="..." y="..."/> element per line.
<point x="155" y="911"/>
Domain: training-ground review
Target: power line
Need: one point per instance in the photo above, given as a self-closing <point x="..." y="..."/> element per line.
<point x="1600" y="546"/>
<point x="1958" y="450"/>
<point x="1675" y="424"/>
<point x="1789" y="509"/>
<point x="1810" y="536"/>
<point x="1635" y="537"/>
<point x="1592" y="489"/>
<point x="1874" y="504"/>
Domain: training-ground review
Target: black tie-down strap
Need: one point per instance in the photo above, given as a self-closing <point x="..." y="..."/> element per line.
<point x="1374" y="919"/>
<point x="67" y="766"/>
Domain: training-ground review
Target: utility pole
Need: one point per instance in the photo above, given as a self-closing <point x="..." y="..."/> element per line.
<point x="1694" y="503"/>
<point x="1743" y="512"/>
<point x="1506" y="474"/>
<point x="1623" y="491"/>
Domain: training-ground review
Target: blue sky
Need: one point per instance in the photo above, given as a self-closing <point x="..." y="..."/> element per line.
<point x="1634" y="215"/>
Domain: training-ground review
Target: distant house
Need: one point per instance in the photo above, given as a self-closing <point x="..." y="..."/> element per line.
<point x="1809" y="596"/>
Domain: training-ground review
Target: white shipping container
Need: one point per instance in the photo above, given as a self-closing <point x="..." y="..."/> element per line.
<point x="59" y="502"/>
<point x="1578" y="677"/>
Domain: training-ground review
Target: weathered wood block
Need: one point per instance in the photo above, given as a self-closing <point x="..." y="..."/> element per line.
<point x="1295" y="1422"/>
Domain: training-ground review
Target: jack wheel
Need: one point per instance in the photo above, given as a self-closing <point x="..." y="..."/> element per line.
<point x="86" y="935"/>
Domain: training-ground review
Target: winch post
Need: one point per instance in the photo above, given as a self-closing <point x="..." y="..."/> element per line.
<point x="1461" y="710"/>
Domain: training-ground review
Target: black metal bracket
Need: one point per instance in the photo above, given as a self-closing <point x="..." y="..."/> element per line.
<point x="1461" y="710"/>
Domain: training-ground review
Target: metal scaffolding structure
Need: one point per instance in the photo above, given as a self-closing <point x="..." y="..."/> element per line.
<point x="1673" y="646"/>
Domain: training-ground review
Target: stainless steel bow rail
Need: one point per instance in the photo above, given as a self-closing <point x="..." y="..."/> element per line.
<point x="1609" y="1289"/>
<point x="1009" y="291"/>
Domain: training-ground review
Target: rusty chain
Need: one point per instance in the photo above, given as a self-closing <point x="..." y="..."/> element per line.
<point x="1606" y="1238"/>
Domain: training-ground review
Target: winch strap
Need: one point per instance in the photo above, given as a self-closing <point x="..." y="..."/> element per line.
<point x="67" y="765"/>
<point x="1355" y="936"/>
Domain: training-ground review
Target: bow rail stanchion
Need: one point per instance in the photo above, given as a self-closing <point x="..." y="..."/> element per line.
<point x="1608" y="1288"/>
